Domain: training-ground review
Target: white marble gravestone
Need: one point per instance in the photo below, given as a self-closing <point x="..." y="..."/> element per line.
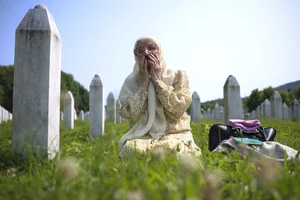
<point x="266" y="109"/>
<point x="295" y="110"/>
<point x="111" y="108"/>
<point x="37" y="78"/>
<point x="262" y="116"/>
<point x="69" y="111"/>
<point x="81" y="115"/>
<point x="96" y="113"/>
<point x="209" y="114"/>
<point x="75" y="114"/>
<point x="61" y="115"/>
<point x="222" y="113"/>
<point x="86" y="116"/>
<point x="285" y="111"/>
<point x="232" y="100"/>
<point x="257" y="112"/>
<point x="276" y="106"/>
<point x="196" y="108"/>
<point x="252" y="114"/>
<point x="118" y="117"/>
<point x="217" y="116"/>
<point x="1" y="115"/>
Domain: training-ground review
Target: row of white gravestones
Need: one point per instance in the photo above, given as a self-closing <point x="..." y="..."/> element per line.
<point x="5" y="115"/>
<point x="112" y="112"/>
<point x="81" y="115"/>
<point x="196" y="115"/>
<point x="216" y="114"/>
<point x="276" y="109"/>
<point x="232" y="104"/>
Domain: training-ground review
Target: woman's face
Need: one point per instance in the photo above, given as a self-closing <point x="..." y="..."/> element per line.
<point x="145" y="47"/>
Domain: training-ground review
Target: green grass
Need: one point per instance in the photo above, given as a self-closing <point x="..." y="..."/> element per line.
<point x="92" y="169"/>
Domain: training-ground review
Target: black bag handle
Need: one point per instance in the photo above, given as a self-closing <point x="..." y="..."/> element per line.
<point x="260" y="130"/>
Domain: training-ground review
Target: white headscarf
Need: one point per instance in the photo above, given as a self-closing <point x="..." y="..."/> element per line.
<point x="153" y="121"/>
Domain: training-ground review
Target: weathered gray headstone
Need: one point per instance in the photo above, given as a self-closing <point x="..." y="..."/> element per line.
<point x="96" y="114"/>
<point x="69" y="111"/>
<point x="61" y="115"/>
<point x="5" y="115"/>
<point x="295" y="110"/>
<point x="262" y="110"/>
<point x="209" y="114"/>
<point x="285" y="111"/>
<point x="86" y="116"/>
<point x="75" y="114"/>
<point x="37" y="78"/>
<point x="118" y="117"/>
<point x="196" y="108"/>
<point x="276" y="106"/>
<point x="1" y="114"/>
<point x="111" y="108"/>
<point x="257" y="112"/>
<point x="266" y="109"/>
<point x="81" y="115"/>
<point x="252" y="114"/>
<point x="232" y="100"/>
<point x="217" y="115"/>
<point x="222" y="113"/>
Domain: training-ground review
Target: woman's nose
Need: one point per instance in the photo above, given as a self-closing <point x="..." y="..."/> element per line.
<point x="147" y="52"/>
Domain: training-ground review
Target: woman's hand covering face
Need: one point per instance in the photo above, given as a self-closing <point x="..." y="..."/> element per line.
<point x="143" y="71"/>
<point x="154" y="67"/>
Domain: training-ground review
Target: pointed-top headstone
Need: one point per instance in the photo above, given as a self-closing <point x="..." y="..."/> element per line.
<point x="295" y="110"/>
<point x="195" y="96"/>
<point x="39" y="19"/>
<point x="285" y="111"/>
<point x="231" y="81"/>
<point x="96" y="81"/>
<point x="111" y="108"/>
<point x="196" y="108"/>
<point x="217" y="116"/>
<point x="69" y="97"/>
<point x="276" y="95"/>
<point x="266" y="109"/>
<point x="118" y="117"/>
<point x="96" y="114"/>
<point x="81" y="115"/>
<point x="69" y="111"/>
<point x="276" y="106"/>
<point x="110" y="96"/>
<point x="267" y="102"/>
<point x="37" y="80"/>
<point x="217" y="105"/>
<point x="232" y="100"/>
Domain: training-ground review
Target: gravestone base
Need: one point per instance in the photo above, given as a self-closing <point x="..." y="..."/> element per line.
<point x="176" y="144"/>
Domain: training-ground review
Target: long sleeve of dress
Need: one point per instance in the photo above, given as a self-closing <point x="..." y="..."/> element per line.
<point x="133" y="108"/>
<point x="176" y="99"/>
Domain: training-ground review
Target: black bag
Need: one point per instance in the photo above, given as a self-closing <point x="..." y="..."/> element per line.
<point x="220" y="132"/>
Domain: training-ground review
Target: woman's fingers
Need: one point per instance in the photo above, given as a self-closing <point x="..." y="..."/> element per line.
<point x="154" y="58"/>
<point x="151" y="57"/>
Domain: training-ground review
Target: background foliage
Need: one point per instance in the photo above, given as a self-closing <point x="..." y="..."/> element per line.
<point x="80" y="94"/>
